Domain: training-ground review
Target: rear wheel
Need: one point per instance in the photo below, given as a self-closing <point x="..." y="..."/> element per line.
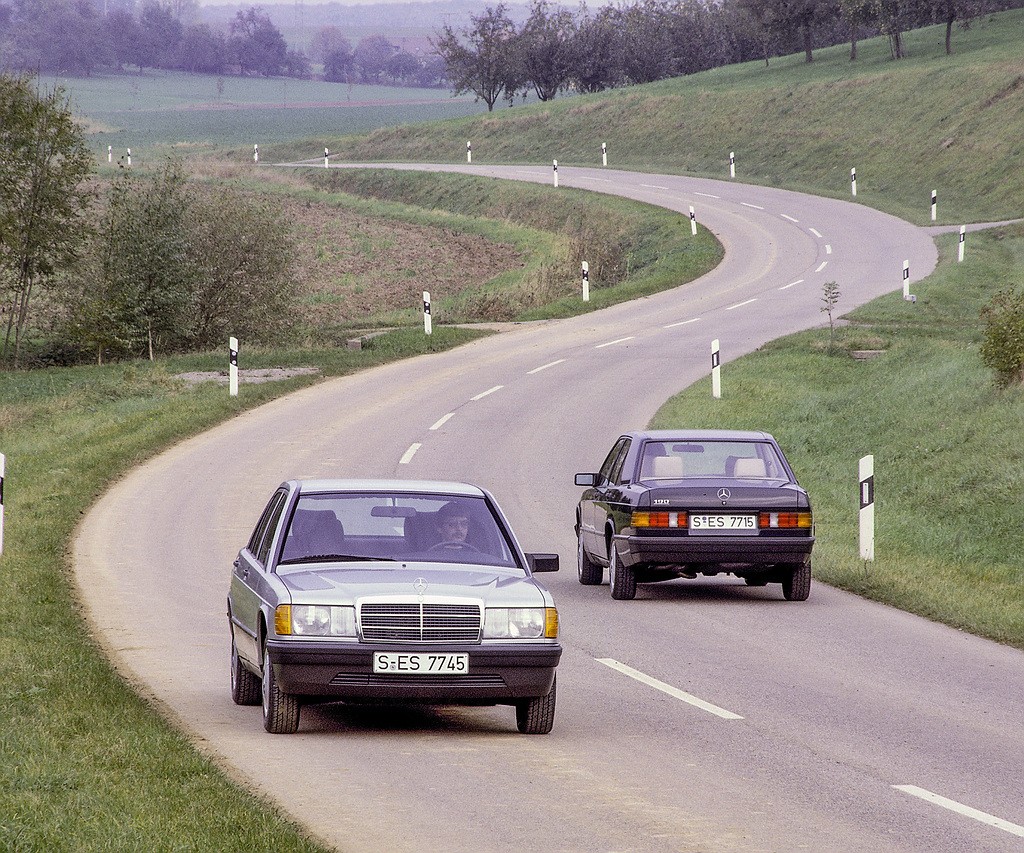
<point x="536" y="716"/>
<point x="589" y="572"/>
<point x="245" y="687"/>
<point x="280" y="710"/>
<point x="796" y="582"/>
<point x="621" y="578"/>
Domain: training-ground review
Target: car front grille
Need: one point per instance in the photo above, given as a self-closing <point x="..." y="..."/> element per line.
<point x="420" y="623"/>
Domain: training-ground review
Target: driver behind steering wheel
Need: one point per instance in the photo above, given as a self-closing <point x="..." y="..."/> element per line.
<point x="452" y="526"/>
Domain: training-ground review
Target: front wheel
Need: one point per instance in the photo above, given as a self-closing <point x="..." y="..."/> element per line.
<point x="621" y="578"/>
<point x="796" y="582"/>
<point x="589" y="572"/>
<point x="536" y="716"/>
<point x="280" y="710"/>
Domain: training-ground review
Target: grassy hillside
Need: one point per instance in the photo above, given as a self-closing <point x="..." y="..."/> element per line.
<point x="954" y="124"/>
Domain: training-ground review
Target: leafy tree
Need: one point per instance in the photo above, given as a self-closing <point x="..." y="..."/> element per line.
<point x="256" y="44"/>
<point x="371" y="57"/>
<point x="325" y="41"/>
<point x="125" y="37"/>
<point x="482" y="59"/>
<point x="44" y="197"/>
<point x="402" y="68"/>
<point x="856" y="14"/>
<point x="161" y="34"/>
<point x="201" y="50"/>
<point x="338" y="64"/>
<point x="597" y="51"/>
<point x="546" y="49"/>
<point x="647" y="42"/>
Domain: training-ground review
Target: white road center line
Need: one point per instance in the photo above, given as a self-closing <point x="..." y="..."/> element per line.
<point x="815" y="232"/>
<point x="407" y="458"/>
<point x="681" y="323"/>
<point x="544" y="366"/>
<point x="828" y="248"/>
<point x="791" y="284"/>
<point x="741" y="304"/>
<point x="708" y="195"/>
<point x="616" y="341"/>
<point x="443" y="421"/>
<point x="654" y="186"/>
<point x="674" y="692"/>
<point x="483" y="394"/>
<point x="790" y="218"/>
<point x="960" y="808"/>
<point x="821" y="266"/>
<point x="747" y="204"/>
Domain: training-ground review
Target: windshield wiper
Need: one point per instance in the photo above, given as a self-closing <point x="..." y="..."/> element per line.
<point x="336" y="558"/>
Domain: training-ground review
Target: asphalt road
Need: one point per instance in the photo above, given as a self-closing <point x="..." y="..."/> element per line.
<point x="830" y="725"/>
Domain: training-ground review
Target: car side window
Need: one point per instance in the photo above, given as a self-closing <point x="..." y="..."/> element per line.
<point x="616" y="472"/>
<point x="275" y="509"/>
<point x="261" y="526"/>
<point x="605" y="474"/>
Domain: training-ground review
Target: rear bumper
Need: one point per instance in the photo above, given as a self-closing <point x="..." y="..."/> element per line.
<point x="678" y="550"/>
<point x="497" y="674"/>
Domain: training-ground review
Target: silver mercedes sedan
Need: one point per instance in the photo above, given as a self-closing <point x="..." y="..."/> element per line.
<point x="390" y="591"/>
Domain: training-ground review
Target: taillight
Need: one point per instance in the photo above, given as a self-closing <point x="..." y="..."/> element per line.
<point x="658" y="519"/>
<point x="785" y="520"/>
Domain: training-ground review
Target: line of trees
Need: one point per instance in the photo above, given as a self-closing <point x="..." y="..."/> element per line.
<point x="645" y="40"/>
<point x="170" y="266"/>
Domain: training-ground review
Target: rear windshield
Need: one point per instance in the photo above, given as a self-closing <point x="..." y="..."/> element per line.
<point x="742" y="460"/>
<point x="382" y="526"/>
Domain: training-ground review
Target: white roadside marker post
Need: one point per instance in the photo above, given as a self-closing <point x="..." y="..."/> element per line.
<point x="554" y="171"/>
<point x="604" y="153"/>
<point x="960" y="250"/>
<point x="586" y="282"/>
<point x="716" y="370"/>
<point x="867" y="509"/>
<point x="3" y="465"/>
<point x="853" y="181"/>
<point x="693" y="222"/>
<point x="110" y="153"/>
<point x="732" y="164"/>
<point x="233" y="367"/>
<point x="935" y="202"/>
<point x="427" y="325"/>
<point x="326" y="155"/>
<point x="907" y="295"/>
<point x="255" y="153"/>
<point x="129" y="156"/>
<point x="469" y="151"/>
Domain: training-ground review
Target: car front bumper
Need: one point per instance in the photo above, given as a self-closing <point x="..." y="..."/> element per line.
<point x="497" y="673"/>
<point x="679" y="550"/>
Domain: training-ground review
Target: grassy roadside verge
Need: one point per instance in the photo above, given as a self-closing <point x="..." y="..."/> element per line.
<point x="87" y="764"/>
<point x="948" y="462"/>
<point x="926" y="122"/>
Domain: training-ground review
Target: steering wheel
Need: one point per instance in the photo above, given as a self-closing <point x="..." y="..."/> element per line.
<point x="454" y="545"/>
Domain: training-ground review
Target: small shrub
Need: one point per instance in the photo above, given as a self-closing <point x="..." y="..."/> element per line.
<point x="1002" y="349"/>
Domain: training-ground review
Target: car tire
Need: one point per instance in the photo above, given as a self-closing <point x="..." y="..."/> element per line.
<point x="589" y="572"/>
<point x="280" y="710"/>
<point x="245" y="687"/>
<point x="536" y="716"/>
<point x="796" y="582"/>
<point x="621" y="578"/>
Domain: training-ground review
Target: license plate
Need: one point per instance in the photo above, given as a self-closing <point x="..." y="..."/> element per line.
<point x="421" y="663"/>
<point x="723" y="523"/>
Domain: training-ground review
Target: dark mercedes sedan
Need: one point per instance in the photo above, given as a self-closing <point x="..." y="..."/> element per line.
<point x="676" y="504"/>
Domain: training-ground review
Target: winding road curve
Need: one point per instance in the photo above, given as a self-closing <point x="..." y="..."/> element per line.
<point x="847" y="725"/>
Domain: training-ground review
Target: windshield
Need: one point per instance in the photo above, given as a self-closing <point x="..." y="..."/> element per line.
<point x="339" y="527"/>
<point x="742" y="460"/>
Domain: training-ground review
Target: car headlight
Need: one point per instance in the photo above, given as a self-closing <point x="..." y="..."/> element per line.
<point x="315" y="620"/>
<point x="520" y="623"/>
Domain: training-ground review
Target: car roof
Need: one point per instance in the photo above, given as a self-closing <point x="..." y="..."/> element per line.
<point x="434" y="487"/>
<point x="700" y="434"/>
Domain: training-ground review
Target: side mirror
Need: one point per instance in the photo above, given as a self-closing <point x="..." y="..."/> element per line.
<point x="542" y="562"/>
<point x="586" y="479"/>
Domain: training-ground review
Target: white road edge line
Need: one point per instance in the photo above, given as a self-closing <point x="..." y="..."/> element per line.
<point x="815" y="232"/>
<point x="681" y="323"/>
<point x="828" y="248"/>
<point x="787" y="286"/>
<point x="654" y="186"/>
<point x="616" y="341"/>
<point x="960" y="808"/>
<point x="821" y="266"/>
<point x="708" y="195"/>
<point x="790" y="218"/>
<point x="674" y="692"/>
<point x="443" y="421"/>
<point x="741" y="304"/>
<point x="483" y="394"/>
<point x="407" y="458"/>
<point x="544" y="366"/>
<point x="748" y="204"/>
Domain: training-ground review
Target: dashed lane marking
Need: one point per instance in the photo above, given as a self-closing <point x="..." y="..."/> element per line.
<point x="668" y="689"/>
